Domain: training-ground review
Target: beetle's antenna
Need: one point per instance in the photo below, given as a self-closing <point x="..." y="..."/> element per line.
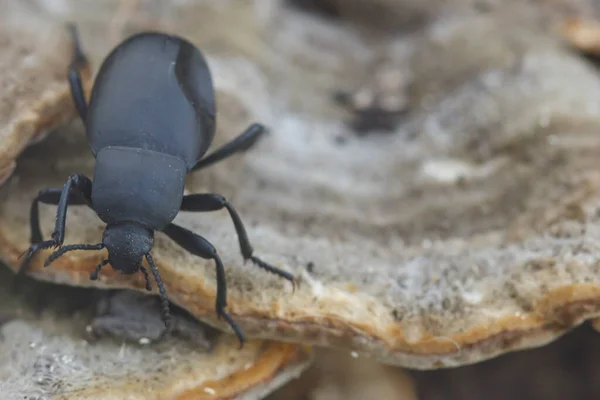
<point x="96" y="271"/>
<point x="147" y="277"/>
<point x="72" y="247"/>
<point x="166" y="314"/>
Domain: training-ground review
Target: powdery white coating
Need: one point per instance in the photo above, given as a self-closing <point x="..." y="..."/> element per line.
<point x="42" y="362"/>
<point x="446" y="171"/>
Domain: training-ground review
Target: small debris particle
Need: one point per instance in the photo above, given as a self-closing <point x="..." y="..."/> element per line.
<point x="351" y="287"/>
<point x="210" y="391"/>
<point x="340" y="140"/>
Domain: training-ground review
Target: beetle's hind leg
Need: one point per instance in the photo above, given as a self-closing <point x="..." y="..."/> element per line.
<point x="243" y="142"/>
<point x="77" y="191"/>
<point x="78" y="63"/>
<point x="201" y="247"/>
<point x="212" y="202"/>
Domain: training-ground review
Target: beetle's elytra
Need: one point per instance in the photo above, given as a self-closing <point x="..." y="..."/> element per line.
<point x="149" y="122"/>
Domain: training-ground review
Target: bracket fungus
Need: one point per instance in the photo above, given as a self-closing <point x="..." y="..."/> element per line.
<point x="470" y="231"/>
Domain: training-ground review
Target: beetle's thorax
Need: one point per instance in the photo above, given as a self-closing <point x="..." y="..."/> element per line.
<point x="137" y="185"/>
<point x="127" y="243"/>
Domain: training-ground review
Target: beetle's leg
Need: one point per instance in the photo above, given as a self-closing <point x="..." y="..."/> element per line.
<point x="77" y="190"/>
<point x="78" y="62"/>
<point x="241" y="143"/>
<point x="148" y="284"/>
<point x="165" y="313"/>
<point x="214" y="202"/>
<point x="47" y="196"/>
<point x="96" y="271"/>
<point x="201" y="247"/>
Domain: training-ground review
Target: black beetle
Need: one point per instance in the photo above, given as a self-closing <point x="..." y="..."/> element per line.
<point x="150" y="121"/>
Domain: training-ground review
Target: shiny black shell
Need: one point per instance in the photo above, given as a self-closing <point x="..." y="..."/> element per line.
<point x="154" y="91"/>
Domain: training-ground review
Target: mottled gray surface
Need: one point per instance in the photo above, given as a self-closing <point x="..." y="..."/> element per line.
<point x="136" y="317"/>
<point x="46" y="352"/>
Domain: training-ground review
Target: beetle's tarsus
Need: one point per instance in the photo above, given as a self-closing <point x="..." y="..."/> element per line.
<point x="274" y="270"/>
<point x="38" y="246"/>
<point x="31" y="252"/>
<point x="238" y="332"/>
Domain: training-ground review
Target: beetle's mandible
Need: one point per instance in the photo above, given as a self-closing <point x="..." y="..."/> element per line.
<point x="149" y="122"/>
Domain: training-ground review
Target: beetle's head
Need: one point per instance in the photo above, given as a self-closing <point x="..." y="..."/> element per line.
<point x="127" y="243"/>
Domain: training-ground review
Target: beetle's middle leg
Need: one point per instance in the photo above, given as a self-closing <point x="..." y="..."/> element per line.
<point x="241" y="143"/>
<point x="213" y="202"/>
<point x="77" y="191"/>
<point x="201" y="247"/>
<point x="78" y="63"/>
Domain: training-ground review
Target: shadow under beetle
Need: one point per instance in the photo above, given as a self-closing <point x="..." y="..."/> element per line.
<point x="150" y="121"/>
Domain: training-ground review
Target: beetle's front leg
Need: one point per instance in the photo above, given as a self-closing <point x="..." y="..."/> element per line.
<point x="77" y="191"/>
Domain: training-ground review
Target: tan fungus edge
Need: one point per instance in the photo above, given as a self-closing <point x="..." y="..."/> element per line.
<point x="274" y="360"/>
<point x="557" y="312"/>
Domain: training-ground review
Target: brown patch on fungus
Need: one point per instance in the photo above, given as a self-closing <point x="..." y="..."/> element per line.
<point x="583" y="34"/>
